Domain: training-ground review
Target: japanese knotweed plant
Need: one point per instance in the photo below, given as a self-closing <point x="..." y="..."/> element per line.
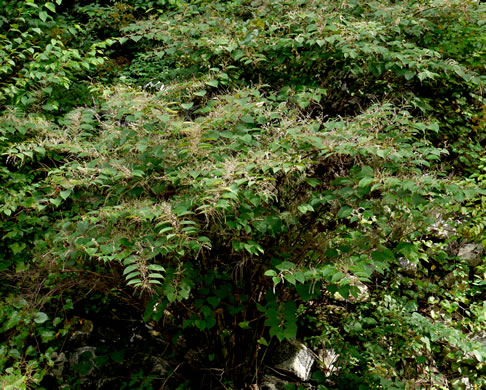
<point x="233" y="220"/>
<point x="278" y="177"/>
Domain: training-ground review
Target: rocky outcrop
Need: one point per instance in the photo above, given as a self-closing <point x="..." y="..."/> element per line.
<point x="294" y="358"/>
<point x="472" y="253"/>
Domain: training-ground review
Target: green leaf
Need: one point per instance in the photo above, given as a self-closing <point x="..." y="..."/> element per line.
<point x="130" y="268"/>
<point x="262" y="341"/>
<point x="247" y="119"/>
<point x="213" y="83"/>
<point x="20" y="266"/>
<point x="156" y="267"/>
<point x="344" y="212"/>
<point x="187" y="106"/>
<point x="313" y="182"/>
<point x="155" y="276"/>
<point x="40" y="317"/>
<point x="365" y="182"/>
<point x="336" y="277"/>
<point x="434" y="127"/>
<point x="344" y="291"/>
<point x="118" y="356"/>
<point x="17" y="247"/>
<point x="65" y="194"/>
<point x="91" y="251"/>
<point x="51" y="7"/>
<point x="300" y="277"/>
<point x="106" y="249"/>
<point x="43" y="15"/>
<point x="290" y="278"/>
<point x="213" y="301"/>
<point x="302" y="208"/>
<point x="409" y="75"/>
<point x="55" y="201"/>
<point x="166" y="229"/>
<point x="285" y="266"/>
<point x="244" y="325"/>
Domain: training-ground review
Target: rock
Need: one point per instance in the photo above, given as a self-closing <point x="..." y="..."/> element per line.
<point x="270" y="382"/>
<point x="441" y="228"/>
<point x="295" y="358"/>
<point x="59" y="360"/>
<point x="107" y="383"/>
<point x="192" y="356"/>
<point x="363" y="293"/>
<point x="451" y="278"/>
<point x="479" y="351"/>
<point x="83" y="362"/>
<point x="80" y="329"/>
<point x="160" y="366"/>
<point x="462" y="383"/>
<point x="407" y="266"/>
<point x="480" y="338"/>
<point x="472" y="253"/>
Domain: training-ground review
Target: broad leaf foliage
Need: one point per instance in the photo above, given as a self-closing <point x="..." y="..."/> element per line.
<point x="245" y="173"/>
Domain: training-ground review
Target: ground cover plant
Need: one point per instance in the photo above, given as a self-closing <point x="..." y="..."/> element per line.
<point x="240" y="173"/>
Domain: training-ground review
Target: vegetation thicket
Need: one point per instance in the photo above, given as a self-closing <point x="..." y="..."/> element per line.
<point x="242" y="173"/>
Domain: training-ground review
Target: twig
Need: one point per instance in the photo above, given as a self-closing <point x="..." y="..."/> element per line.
<point x="172" y="373"/>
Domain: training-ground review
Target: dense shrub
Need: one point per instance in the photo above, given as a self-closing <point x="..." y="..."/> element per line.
<point x="249" y="173"/>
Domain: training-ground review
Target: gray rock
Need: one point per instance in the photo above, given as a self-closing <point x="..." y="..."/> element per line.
<point x="295" y="358"/>
<point x="480" y="338"/>
<point x="462" y="383"/>
<point x="59" y="360"/>
<point x="407" y="266"/>
<point x="363" y="294"/>
<point x="107" y="383"/>
<point x="160" y="366"/>
<point x="270" y="382"/>
<point x="83" y="362"/>
<point x="472" y="253"/>
<point x="451" y="278"/>
<point x="479" y="353"/>
<point x="441" y="228"/>
<point x="80" y="329"/>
